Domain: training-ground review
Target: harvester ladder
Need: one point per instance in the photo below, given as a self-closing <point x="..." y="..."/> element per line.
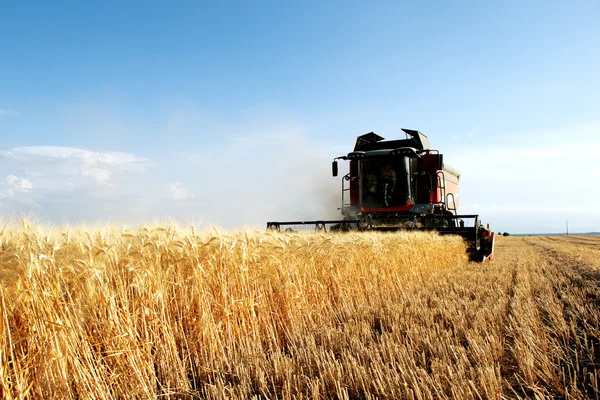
<point x="446" y="197"/>
<point x="442" y="185"/>
<point x="345" y="189"/>
<point x="453" y="208"/>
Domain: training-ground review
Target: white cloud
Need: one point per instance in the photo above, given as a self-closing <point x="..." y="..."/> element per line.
<point x="74" y="184"/>
<point x="98" y="165"/>
<point x="16" y="184"/>
<point x="17" y="189"/>
<point x="86" y="156"/>
<point x="101" y="175"/>
<point x="24" y="185"/>
<point x="80" y="185"/>
<point x="11" y="179"/>
<point x="178" y="191"/>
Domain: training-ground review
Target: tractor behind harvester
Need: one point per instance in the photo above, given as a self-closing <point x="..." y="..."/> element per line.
<point x="401" y="185"/>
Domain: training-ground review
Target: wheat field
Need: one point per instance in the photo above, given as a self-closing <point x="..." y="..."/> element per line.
<point x="167" y="312"/>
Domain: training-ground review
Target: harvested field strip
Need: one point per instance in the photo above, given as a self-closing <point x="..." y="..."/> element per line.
<point x="162" y="312"/>
<point x="582" y="252"/>
<point x="580" y="240"/>
<point x="593" y="239"/>
<point x="576" y="288"/>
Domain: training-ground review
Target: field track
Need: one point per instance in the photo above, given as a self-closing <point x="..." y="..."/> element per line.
<point x="559" y="279"/>
<point x="165" y="313"/>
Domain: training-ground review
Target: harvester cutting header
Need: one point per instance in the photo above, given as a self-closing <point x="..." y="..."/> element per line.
<point x="401" y="185"/>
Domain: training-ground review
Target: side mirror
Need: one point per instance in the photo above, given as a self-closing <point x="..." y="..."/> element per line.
<point x="334" y="168"/>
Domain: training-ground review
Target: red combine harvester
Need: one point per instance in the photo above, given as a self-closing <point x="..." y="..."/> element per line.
<point x="401" y="185"/>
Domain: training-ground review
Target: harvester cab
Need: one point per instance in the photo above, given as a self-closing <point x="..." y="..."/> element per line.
<point x="401" y="185"/>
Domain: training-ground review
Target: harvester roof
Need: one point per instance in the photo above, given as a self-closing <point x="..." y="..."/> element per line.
<point x="372" y="141"/>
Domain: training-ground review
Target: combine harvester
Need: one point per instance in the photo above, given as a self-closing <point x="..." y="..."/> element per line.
<point x="401" y="185"/>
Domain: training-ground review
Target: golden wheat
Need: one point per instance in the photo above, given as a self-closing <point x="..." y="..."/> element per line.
<point x="109" y="313"/>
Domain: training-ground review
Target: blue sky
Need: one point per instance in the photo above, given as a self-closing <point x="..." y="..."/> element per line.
<point x="229" y="113"/>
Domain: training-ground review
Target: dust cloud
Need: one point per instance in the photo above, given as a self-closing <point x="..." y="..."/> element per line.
<point x="255" y="179"/>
